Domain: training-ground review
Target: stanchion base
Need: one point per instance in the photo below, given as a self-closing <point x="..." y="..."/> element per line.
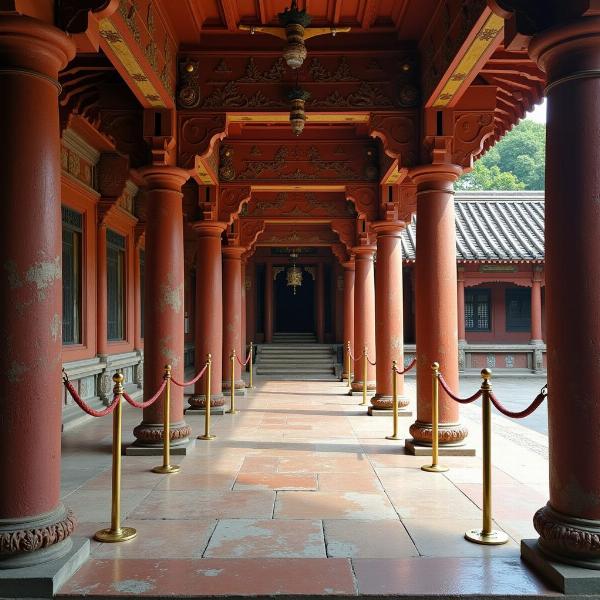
<point x="166" y="469"/>
<point x="494" y="538"/>
<point x="434" y="468"/>
<point x="207" y="438"/>
<point x="108" y="536"/>
<point x="393" y="437"/>
<point x="232" y="412"/>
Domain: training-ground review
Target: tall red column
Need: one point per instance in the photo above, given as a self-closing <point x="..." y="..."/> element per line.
<point x="268" y="302"/>
<point x="389" y="318"/>
<point x="251" y="301"/>
<point x="102" y="291"/>
<point x="348" y="309"/>
<point x="460" y="302"/>
<point x="436" y="310"/>
<point x="209" y="311"/>
<point x="35" y="526"/>
<point x="232" y="313"/>
<point x="536" y="308"/>
<point x="364" y="315"/>
<point x="163" y="302"/>
<point x="569" y="524"/>
<point x="320" y="304"/>
<point x="244" y="309"/>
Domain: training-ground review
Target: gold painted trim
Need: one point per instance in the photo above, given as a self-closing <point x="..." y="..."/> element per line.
<point x="284" y="118"/>
<point x="485" y="37"/>
<point x="294" y="188"/>
<point x="124" y="55"/>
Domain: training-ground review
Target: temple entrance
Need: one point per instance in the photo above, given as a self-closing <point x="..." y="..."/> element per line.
<point x="295" y="313"/>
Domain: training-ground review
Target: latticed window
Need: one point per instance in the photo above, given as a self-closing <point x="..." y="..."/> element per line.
<point x="72" y="231"/>
<point x="115" y="267"/>
<point x="518" y="309"/>
<point x="477" y="309"/>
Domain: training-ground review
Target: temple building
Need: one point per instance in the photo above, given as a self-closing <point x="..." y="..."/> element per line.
<point x="188" y="180"/>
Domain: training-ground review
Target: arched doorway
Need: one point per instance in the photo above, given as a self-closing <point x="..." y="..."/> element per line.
<point x="294" y="313"/>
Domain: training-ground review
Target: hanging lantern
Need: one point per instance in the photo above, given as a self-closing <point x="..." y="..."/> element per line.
<point x="298" y="98"/>
<point x="294" y="21"/>
<point x="294" y="273"/>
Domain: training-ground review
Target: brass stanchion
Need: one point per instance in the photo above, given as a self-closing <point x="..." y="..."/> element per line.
<point x="348" y="367"/>
<point x="167" y="467"/>
<point x="207" y="435"/>
<point x="251" y="362"/>
<point x="434" y="467"/>
<point x="394" y="435"/>
<point x="116" y="533"/>
<point x="232" y="410"/>
<point x="486" y="535"/>
<point x="365" y="375"/>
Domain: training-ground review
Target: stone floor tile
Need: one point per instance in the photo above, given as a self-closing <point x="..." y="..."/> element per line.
<point x="336" y="464"/>
<point x="206" y="505"/>
<point x="260" y="464"/>
<point x="368" y="539"/>
<point x="400" y="478"/>
<point x="333" y="505"/>
<point x="185" y="480"/>
<point x="445" y="537"/>
<point x="434" y="576"/>
<point x="95" y="505"/>
<point x="475" y="475"/>
<point x="211" y="577"/>
<point x="276" y="481"/>
<point x="161" y="539"/>
<point x="427" y="504"/>
<point x="251" y="538"/>
<point x="348" y="482"/>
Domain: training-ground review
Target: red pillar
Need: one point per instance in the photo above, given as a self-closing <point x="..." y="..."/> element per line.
<point x="232" y="313"/>
<point x="364" y="315"/>
<point x="268" y="302"/>
<point x="436" y="310"/>
<point x="102" y="291"/>
<point x="163" y="302"/>
<point x="209" y="311"/>
<point x="244" y="309"/>
<point x="31" y="55"/>
<point x="320" y="304"/>
<point x="460" y="301"/>
<point x="138" y="340"/>
<point x="348" y="308"/>
<point x="389" y="319"/>
<point x="536" y="307"/>
<point x="251" y="301"/>
<point x="570" y="56"/>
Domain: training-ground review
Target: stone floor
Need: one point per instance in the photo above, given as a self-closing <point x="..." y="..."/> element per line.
<point x="301" y="494"/>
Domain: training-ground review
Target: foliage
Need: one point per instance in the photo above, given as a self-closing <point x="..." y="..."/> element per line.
<point x="516" y="162"/>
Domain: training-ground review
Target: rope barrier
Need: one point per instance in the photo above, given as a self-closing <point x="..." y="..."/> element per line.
<point x="410" y="365"/>
<point x="148" y="402"/>
<point x="371" y="363"/>
<point x="448" y="391"/>
<point x="243" y="364"/>
<point x="192" y="381"/>
<point x="523" y="413"/>
<point x="88" y="409"/>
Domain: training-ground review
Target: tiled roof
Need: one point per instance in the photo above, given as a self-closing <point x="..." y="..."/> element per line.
<point x="493" y="226"/>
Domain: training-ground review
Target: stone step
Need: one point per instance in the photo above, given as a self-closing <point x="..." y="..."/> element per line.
<point x="303" y="371"/>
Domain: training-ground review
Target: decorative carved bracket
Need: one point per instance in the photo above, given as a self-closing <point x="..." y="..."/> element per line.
<point x="250" y="229"/>
<point x="346" y="230"/>
<point x="399" y="134"/>
<point x="231" y="199"/>
<point x="80" y="19"/>
<point x="365" y="198"/>
<point x="112" y="174"/>
<point x="198" y="136"/>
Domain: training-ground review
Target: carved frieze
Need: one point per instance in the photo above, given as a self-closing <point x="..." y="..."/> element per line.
<point x="299" y="204"/>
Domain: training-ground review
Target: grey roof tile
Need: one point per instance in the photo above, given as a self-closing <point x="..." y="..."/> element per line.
<point x="493" y="226"/>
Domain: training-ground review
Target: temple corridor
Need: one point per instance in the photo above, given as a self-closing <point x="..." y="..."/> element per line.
<point x="300" y="483"/>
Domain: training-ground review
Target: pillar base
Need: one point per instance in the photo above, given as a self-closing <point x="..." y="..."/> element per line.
<point x="181" y="449"/>
<point x="420" y="449"/>
<point x="44" y="580"/>
<point x="198" y="401"/>
<point x="449" y="434"/>
<point x="372" y="411"/>
<point x="240" y="387"/>
<point x="385" y="401"/>
<point x="150" y="435"/>
<point x="568" y="579"/>
<point x="214" y="410"/>
<point x="357" y="386"/>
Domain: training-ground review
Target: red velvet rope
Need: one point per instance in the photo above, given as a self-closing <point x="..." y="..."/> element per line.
<point x="468" y="400"/>
<point x="243" y="364"/>
<point x="192" y="381"/>
<point x="149" y="402"/>
<point x="352" y="357"/>
<point x="371" y="363"/>
<point x="411" y="364"/>
<point x="88" y="409"/>
<point x="521" y="414"/>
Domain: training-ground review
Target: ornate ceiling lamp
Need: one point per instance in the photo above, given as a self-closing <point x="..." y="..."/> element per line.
<point x="298" y="97"/>
<point x="294" y="273"/>
<point x="295" y="31"/>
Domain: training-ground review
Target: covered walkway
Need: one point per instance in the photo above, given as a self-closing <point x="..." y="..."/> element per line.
<point x="301" y="494"/>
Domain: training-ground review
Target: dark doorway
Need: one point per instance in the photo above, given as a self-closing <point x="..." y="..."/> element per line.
<point x="295" y="313"/>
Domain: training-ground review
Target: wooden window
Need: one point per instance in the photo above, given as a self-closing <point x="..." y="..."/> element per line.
<point x="478" y="309"/>
<point x="518" y="309"/>
<point x="115" y="267"/>
<point x="72" y="232"/>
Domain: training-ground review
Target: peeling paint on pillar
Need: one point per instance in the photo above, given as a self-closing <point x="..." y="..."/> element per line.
<point x="170" y="297"/>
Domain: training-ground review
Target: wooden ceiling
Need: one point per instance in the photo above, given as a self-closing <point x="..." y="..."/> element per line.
<point x="194" y="20"/>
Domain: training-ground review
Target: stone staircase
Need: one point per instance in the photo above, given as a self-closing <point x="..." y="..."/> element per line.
<point x="296" y="356"/>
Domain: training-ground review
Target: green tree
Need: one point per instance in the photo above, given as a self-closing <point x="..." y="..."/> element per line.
<point x="521" y="153"/>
